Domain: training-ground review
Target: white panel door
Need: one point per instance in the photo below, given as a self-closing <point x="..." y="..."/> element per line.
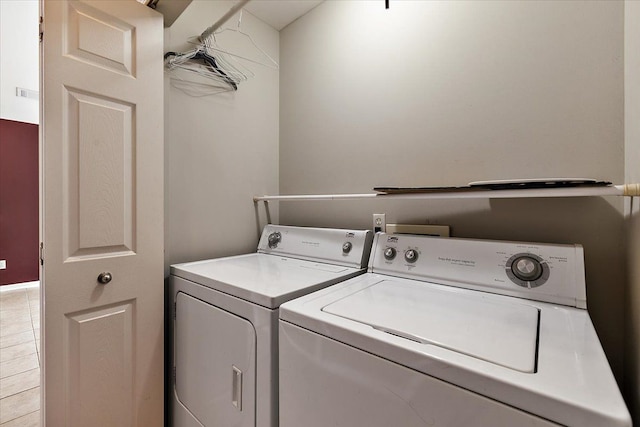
<point x="102" y="171"/>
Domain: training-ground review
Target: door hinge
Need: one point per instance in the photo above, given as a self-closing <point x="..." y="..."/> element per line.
<point x="174" y="311"/>
<point x="41" y="253"/>
<point x="41" y="28"/>
<point x="174" y="375"/>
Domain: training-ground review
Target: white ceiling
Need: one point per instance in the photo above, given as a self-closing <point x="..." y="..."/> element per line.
<point x="280" y="13"/>
<point x="277" y="13"/>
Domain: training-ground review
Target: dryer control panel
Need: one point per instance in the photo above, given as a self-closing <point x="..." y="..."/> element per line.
<point x="538" y="271"/>
<point x="350" y="248"/>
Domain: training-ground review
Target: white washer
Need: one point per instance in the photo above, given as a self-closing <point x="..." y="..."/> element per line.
<point x="449" y="332"/>
<point x="224" y="333"/>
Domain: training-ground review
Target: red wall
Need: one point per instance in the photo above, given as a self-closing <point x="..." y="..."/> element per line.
<point x="18" y="201"/>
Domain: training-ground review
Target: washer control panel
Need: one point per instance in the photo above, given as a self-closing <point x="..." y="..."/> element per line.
<point x="537" y="271"/>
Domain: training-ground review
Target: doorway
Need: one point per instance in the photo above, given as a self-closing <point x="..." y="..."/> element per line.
<point x="20" y="355"/>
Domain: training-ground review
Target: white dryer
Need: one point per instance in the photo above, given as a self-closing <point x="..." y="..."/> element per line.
<point x="449" y="332"/>
<point x="224" y="337"/>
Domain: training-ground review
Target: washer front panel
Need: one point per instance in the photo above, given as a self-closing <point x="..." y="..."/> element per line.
<point x="327" y="383"/>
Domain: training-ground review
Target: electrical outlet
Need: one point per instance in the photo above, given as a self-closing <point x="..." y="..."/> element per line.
<point x="379" y="223"/>
<point x="3" y="264"/>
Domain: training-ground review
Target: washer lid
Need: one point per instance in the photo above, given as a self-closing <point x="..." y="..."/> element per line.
<point x="498" y="332"/>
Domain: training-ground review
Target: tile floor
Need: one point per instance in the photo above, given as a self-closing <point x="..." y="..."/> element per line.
<point x="20" y="357"/>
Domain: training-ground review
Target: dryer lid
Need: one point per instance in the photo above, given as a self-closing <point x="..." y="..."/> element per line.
<point x="498" y="332"/>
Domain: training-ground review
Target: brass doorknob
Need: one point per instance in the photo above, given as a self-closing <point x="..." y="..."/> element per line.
<point x="105" y="277"/>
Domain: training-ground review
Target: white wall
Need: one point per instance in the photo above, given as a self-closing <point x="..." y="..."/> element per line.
<point x="19" y="62"/>
<point x="632" y="207"/>
<point x="220" y="150"/>
<point x="444" y="93"/>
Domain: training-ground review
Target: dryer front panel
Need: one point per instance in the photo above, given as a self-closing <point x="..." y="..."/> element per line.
<point x="215" y="363"/>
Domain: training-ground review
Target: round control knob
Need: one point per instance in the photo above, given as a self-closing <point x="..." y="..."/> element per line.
<point x="389" y="253"/>
<point x="274" y="238"/>
<point x="346" y="247"/>
<point x="526" y="268"/>
<point x="411" y="255"/>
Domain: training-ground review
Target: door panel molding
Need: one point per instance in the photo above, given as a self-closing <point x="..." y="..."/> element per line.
<point x="99" y="39"/>
<point x="95" y="383"/>
<point x="99" y="174"/>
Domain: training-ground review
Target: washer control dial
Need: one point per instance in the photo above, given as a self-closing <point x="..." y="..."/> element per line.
<point x="346" y="247"/>
<point x="389" y="253"/>
<point x="411" y="255"/>
<point x="274" y="238"/>
<point x="527" y="270"/>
